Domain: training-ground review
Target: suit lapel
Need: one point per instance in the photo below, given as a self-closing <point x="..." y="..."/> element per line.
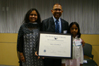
<point x="52" y="24"/>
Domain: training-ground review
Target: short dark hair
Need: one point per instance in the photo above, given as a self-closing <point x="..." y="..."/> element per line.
<point x="26" y="18"/>
<point x="57" y="4"/>
<point x="72" y="23"/>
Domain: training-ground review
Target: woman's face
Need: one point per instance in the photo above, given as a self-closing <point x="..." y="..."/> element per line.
<point x="74" y="30"/>
<point x="33" y="16"/>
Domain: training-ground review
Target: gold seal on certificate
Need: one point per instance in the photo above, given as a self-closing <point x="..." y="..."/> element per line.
<point x="55" y="45"/>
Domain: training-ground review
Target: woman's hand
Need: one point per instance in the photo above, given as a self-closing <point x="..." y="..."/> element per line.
<point x="36" y="53"/>
<point x="38" y="56"/>
<point x="22" y="57"/>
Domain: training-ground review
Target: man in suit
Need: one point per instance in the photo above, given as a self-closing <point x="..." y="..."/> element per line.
<point x="49" y="25"/>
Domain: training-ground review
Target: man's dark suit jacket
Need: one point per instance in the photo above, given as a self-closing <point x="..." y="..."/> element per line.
<point x="48" y="25"/>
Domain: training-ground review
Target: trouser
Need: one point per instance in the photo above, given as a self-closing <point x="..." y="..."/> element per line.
<point x="52" y="62"/>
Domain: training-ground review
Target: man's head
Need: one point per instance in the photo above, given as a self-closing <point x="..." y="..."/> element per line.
<point x="57" y="11"/>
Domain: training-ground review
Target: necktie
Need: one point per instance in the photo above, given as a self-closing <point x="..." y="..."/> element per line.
<point x="57" y="27"/>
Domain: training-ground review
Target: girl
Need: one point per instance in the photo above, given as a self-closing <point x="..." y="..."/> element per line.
<point x="28" y="39"/>
<point x="77" y="59"/>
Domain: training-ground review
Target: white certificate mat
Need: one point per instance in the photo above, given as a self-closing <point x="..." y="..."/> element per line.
<point x="55" y="45"/>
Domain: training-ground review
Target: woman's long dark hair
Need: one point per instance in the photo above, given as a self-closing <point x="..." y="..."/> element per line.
<point x="26" y="19"/>
<point x="78" y="34"/>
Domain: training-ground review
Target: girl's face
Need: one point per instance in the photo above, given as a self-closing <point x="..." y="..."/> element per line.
<point x="74" y="30"/>
<point x="33" y="16"/>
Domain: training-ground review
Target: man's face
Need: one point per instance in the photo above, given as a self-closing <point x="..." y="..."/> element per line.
<point x="57" y="11"/>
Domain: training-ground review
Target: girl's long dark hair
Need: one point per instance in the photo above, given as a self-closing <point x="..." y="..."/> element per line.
<point x="78" y="34"/>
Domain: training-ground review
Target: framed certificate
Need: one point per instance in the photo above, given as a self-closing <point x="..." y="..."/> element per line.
<point x="55" y="45"/>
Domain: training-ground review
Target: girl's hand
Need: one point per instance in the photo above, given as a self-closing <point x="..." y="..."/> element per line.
<point x="83" y="43"/>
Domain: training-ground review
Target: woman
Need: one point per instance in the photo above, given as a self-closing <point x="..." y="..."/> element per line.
<point x="28" y="39"/>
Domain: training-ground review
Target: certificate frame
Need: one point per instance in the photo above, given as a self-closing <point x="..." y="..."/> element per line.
<point x="53" y="45"/>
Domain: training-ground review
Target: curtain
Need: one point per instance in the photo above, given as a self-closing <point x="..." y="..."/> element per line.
<point x="85" y="12"/>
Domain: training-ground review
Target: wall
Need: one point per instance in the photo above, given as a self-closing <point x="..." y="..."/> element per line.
<point x="8" y="52"/>
<point x="94" y="41"/>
